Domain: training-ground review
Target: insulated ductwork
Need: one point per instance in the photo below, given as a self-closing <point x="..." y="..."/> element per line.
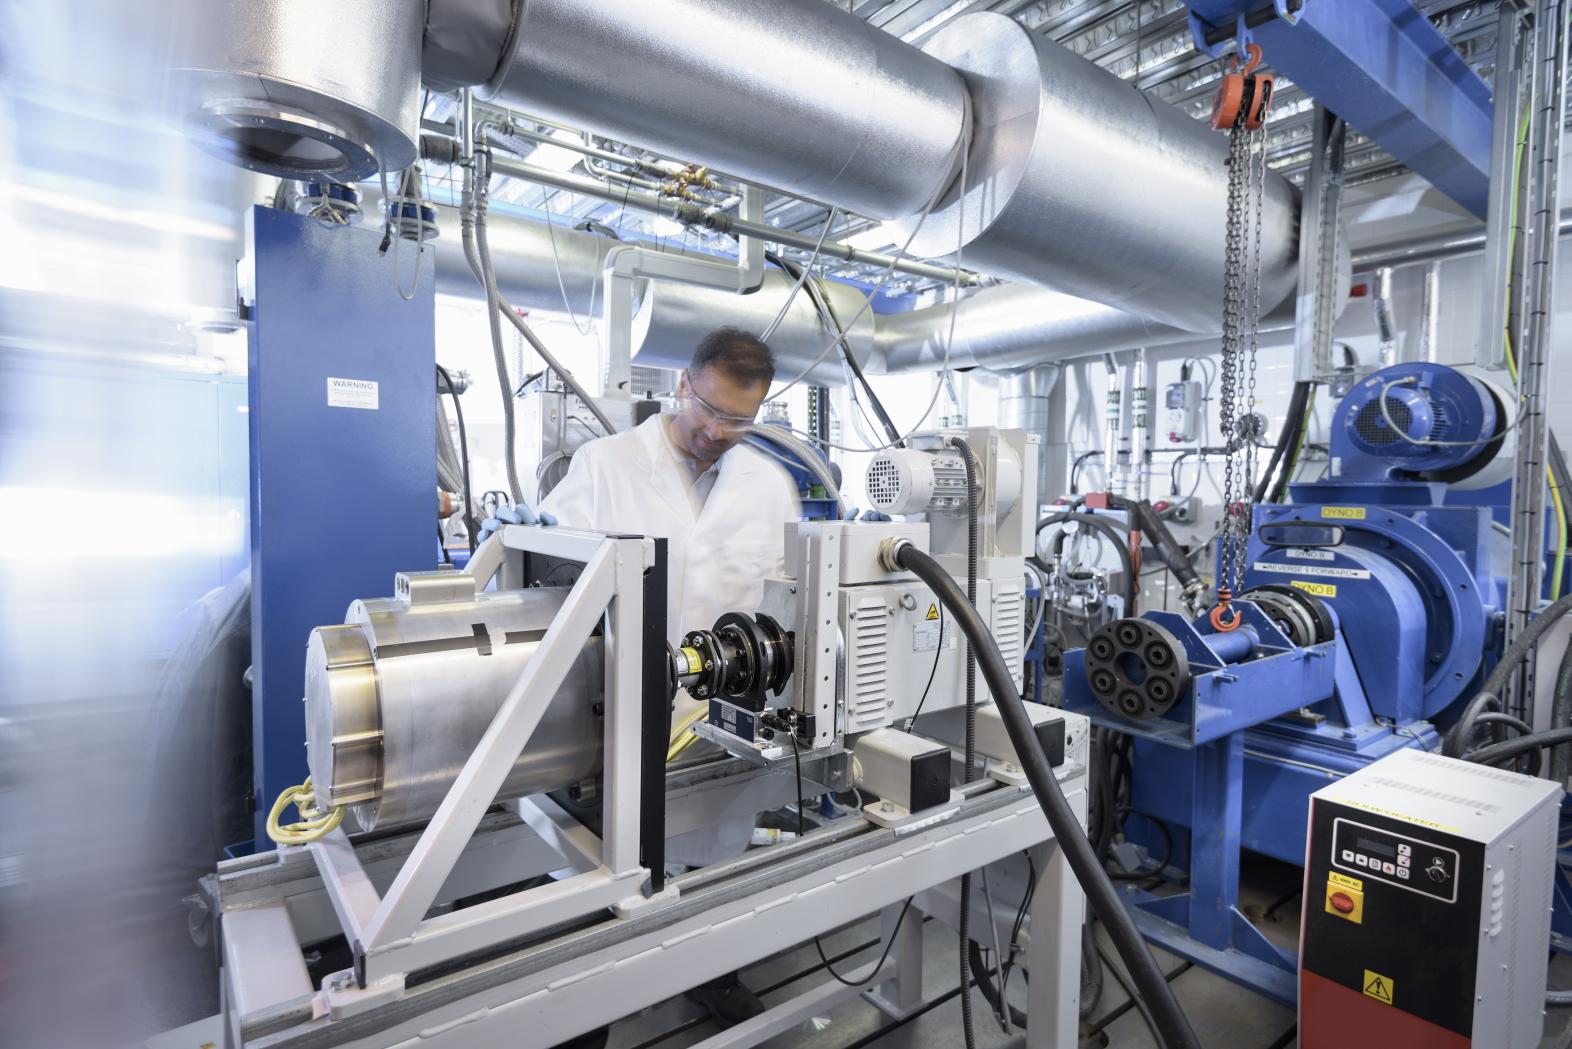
<point x="528" y="258"/>
<point x="1077" y="181"/>
<point x="314" y="92"/>
<point x="674" y="317"/>
<point x="796" y="94"/>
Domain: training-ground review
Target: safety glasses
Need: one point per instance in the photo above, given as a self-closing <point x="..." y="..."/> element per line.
<point x="713" y="414"/>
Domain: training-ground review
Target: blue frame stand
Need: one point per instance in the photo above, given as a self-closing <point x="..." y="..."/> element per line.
<point x="343" y="454"/>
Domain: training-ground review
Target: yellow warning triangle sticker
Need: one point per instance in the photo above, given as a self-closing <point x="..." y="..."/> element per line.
<point x="1378" y="987"/>
<point x="933" y="612"/>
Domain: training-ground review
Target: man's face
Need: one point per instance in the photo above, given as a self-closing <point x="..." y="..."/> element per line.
<point x="715" y="412"/>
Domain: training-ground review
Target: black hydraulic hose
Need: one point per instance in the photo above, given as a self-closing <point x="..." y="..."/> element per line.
<point x="965" y="924"/>
<point x="1561" y="713"/>
<point x="1489" y="696"/>
<point x="1075" y="468"/>
<point x="1170" y="1024"/>
<point x="1293" y="424"/>
<point x="1168" y="549"/>
<point x="1120" y="542"/>
<point x="1513" y="748"/>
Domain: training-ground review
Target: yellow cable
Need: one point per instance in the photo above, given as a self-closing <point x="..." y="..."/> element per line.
<point x="683" y="737"/>
<point x="313" y="825"/>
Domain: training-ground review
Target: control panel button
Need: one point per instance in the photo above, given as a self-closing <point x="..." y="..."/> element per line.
<point x="1404" y="861"/>
<point x="1362" y="860"/>
<point x="1402" y="872"/>
<point x="1404" y="850"/>
<point x="1348" y="855"/>
<point x="1387" y="868"/>
<point x="1437" y="870"/>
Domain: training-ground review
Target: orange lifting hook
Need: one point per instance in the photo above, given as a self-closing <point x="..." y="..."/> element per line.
<point x="1225" y="597"/>
<point x="1243" y="96"/>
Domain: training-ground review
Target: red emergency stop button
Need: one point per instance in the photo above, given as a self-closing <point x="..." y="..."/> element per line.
<point x="1345" y="901"/>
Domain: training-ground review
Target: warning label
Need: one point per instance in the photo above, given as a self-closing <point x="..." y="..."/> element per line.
<point x="1330" y="573"/>
<point x="1379" y="987"/>
<point x="1343" y="513"/>
<point x="933" y="612"/>
<point x="1318" y="589"/>
<point x="352" y="393"/>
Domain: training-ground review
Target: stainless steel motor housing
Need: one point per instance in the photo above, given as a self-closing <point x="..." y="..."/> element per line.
<point x="398" y="697"/>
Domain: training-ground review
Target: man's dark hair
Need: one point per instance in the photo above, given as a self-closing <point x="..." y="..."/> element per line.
<point x="742" y="356"/>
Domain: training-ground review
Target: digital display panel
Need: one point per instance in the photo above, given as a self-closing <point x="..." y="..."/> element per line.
<point x="1377" y="847"/>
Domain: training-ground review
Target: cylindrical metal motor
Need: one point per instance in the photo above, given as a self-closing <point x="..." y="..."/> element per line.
<point x="399" y="696"/>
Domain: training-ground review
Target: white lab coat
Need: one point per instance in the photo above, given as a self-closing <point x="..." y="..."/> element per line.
<point x="717" y="560"/>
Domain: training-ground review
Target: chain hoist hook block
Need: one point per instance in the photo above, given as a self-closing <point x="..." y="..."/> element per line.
<point x="1225" y="617"/>
<point x="1243" y="95"/>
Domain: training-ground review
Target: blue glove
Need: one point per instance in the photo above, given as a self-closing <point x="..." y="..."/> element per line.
<point x="874" y="515"/>
<point x="522" y="514"/>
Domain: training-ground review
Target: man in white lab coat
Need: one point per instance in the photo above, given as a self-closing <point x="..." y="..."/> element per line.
<point x="687" y="478"/>
<point x="722" y="507"/>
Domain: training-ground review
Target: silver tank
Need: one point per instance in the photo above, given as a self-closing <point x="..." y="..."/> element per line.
<point x="399" y="696"/>
<point x="1079" y="182"/>
<point x="797" y="94"/>
<point x="325" y="91"/>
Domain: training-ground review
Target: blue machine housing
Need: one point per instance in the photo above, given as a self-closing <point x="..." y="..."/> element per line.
<point x="1405" y="577"/>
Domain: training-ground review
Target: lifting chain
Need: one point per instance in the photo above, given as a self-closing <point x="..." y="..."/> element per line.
<point x="1240" y="109"/>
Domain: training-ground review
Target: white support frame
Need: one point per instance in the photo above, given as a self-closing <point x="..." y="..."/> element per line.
<point x="391" y="932"/>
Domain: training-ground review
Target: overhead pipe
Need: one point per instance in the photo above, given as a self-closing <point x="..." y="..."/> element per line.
<point x="1076" y="180"/>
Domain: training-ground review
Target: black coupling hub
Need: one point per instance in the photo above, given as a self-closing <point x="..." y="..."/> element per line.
<point x="1136" y="668"/>
<point x="741" y="659"/>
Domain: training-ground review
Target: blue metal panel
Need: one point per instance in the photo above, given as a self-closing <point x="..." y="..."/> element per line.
<point x="1385" y="69"/>
<point x="341" y="497"/>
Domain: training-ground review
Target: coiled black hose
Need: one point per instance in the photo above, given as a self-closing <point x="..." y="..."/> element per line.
<point x="1169" y="1022"/>
<point x="1489" y="696"/>
<point x="1121" y="544"/>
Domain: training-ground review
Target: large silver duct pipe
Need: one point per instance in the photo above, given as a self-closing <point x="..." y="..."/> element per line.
<point x="1024" y="403"/>
<point x="794" y="93"/>
<point x="527" y="257"/>
<point x="674" y="317"/>
<point x="302" y="92"/>
<point x="1077" y="181"/>
<point x="1011" y="328"/>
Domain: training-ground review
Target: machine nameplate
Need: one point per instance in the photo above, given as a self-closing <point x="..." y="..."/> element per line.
<point x="1330" y="573"/>
<point x="925" y="636"/>
<point x="1305" y="553"/>
<point x="1343" y="513"/>
<point x="1318" y="589"/>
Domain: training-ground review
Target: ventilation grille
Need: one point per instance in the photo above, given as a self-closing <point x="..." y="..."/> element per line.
<point x="1439" y="795"/>
<point x="867" y="692"/>
<point x="1008" y="627"/>
<point x="1450" y="767"/>
<point x="883" y="483"/>
<point x="1371" y="427"/>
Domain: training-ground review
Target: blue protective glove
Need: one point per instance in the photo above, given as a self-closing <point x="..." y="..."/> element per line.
<point x="866" y="515"/>
<point x="522" y="514"/>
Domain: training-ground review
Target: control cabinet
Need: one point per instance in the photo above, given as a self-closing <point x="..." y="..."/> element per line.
<point x="1427" y="907"/>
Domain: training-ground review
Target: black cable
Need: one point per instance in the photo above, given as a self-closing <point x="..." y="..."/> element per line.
<point x="969" y="460"/>
<point x="1293" y="422"/>
<point x="1561" y="712"/>
<point x="1130" y="991"/>
<point x="802" y="830"/>
<point x="1119" y="1010"/>
<point x="937" y="652"/>
<point x="1075" y="468"/>
<point x="832" y="321"/>
<point x="1489" y="695"/>
<point x="442" y="547"/>
<point x="1173" y="1028"/>
<point x="471" y="522"/>
<point x="1499" y="752"/>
